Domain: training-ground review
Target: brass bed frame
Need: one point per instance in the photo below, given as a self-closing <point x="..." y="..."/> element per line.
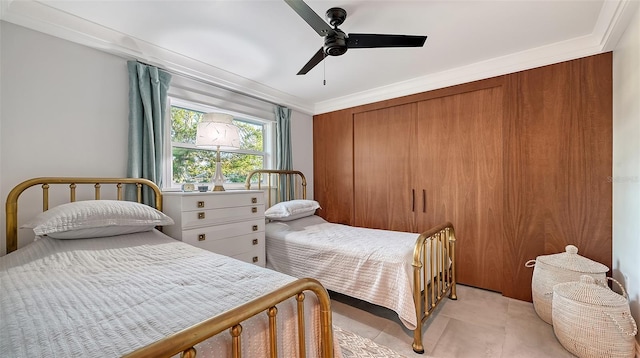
<point x="183" y="342"/>
<point x="439" y="241"/>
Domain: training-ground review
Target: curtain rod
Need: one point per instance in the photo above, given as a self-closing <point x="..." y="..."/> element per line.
<point x="210" y="83"/>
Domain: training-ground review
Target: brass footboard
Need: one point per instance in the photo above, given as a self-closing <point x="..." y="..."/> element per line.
<point x="436" y="248"/>
<point x="183" y="341"/>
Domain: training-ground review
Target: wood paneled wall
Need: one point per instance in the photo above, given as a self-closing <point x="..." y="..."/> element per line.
<point x="333" y="165"/>
<point x="553" y="158"/>
<point x="558" y="161"/>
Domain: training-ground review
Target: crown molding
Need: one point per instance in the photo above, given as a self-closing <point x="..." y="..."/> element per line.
<point x="613" y="19"/>
<point x="41" y="17"/>
<point x="524" y="60"/>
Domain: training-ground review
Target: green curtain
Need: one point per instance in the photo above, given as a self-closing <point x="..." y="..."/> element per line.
<point x="148" y="88"/>
<point x="284" y="158"/>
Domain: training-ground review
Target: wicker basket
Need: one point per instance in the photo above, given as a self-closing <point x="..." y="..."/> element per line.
<point x="590" y="320"/>
<point x="550" y="270"/>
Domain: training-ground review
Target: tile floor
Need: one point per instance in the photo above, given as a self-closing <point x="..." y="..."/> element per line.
<point x="479" y="324"/>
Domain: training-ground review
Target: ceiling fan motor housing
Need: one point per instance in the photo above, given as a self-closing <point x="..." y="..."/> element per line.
<point x="335" y="43"/>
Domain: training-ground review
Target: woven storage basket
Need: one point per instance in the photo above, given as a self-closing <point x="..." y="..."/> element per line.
<point x="590" y="320"/>
<point x="550" y="270"/>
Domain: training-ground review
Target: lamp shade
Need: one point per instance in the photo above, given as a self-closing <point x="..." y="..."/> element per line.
<point x="217" y="129"/>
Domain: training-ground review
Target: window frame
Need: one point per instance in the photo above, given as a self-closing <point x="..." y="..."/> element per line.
<point x="269" y="133"/>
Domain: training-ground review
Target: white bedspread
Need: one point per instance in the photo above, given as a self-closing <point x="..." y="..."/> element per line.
<point x="106" y="297"/>
<point x="368" y="264"/>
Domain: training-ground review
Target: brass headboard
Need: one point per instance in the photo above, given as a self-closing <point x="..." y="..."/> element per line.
<point x="287" y="184"/>
<point x="46" y="182"/>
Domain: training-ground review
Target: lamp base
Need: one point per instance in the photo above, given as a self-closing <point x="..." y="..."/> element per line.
<point x="218" y="178"/>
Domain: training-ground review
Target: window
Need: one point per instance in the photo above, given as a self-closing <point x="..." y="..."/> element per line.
<point x="191" y="164"/>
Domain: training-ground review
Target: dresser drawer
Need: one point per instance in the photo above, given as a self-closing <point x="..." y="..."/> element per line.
<point x="256" y="259"/>
<point x="219" y="232"/>
<point x="204" y="201"/>
<point x="230" y="223"/>
<point x="232" y="246"/>
<point x="208" y="217"/>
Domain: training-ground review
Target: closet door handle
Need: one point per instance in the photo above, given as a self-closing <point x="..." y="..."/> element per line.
<point x="424" y="201"/>
<point x="413" y="200"/>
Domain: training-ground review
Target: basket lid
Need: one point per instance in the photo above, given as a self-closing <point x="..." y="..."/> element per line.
<point x="588" y="291"/>
<point x="570" y="260"/>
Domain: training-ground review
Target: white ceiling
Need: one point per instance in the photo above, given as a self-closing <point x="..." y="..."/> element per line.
<point x="257" y="47"/>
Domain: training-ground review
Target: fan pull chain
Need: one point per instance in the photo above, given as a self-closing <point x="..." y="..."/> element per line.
<point x="324" y="69"/>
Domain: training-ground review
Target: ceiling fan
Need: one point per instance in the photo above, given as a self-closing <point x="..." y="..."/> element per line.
<point x="336" y="42"/>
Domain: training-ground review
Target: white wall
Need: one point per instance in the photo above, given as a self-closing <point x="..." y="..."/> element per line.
<point x="65" y="110"/>
<point x="302" y="144"/>
<point x="626" y="163"/>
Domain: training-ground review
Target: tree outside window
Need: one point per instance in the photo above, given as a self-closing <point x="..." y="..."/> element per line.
<point x="193" y="164"/>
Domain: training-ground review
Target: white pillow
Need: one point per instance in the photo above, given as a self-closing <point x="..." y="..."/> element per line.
<point x="292" y="209"/>
<point x="96" y="232"/>
<point x="96" y="218"/>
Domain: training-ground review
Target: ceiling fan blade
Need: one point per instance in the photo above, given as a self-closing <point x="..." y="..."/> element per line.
<point x="310" y="16"/>
<point x="374" y="40"/>
<point x="316" y="59"/>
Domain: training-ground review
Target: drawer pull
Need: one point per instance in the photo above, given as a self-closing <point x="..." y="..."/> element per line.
<point x="201" y="215"/>
<point x="201" y="204"/>
<point x="202" y="237"/>
<point x="254" y="210"/>
<point x="255" y="241"/>
<point x="255" y="228"/>
<point x="255" y="259"/>
<point x="254" y="200"/>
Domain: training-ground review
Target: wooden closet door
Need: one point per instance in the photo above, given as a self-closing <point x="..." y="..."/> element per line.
<point x="558" y="159"/>
<point x="333" y="166"/>
<point x="460" y="171"/>
<point x="383" y="147"/>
